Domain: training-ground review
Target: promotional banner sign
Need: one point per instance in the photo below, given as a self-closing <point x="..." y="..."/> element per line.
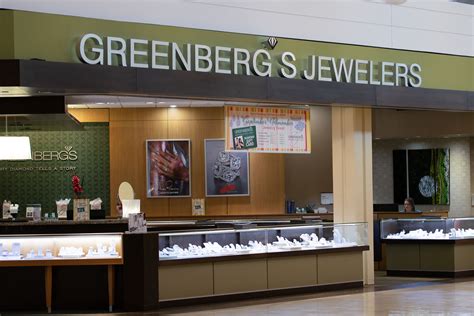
<point x="267" y="129"/>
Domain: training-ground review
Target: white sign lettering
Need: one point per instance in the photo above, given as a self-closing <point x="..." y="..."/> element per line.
<point x="155" y="54"/>
<point x="64" y="155"/>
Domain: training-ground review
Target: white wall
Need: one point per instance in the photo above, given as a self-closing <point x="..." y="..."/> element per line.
<point x="440" y="26"/>
<point x="460" y="173"/>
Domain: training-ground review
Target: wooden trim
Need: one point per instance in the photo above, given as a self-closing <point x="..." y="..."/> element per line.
<point x="61" y="262"/>
<point x="261" y="294"/>
<point x="111" y="285"/>
<point x="71" y="78"/>
<point x="172" y="262"/>
<point x="91" y="115"/>
<point x="48" y="281"/>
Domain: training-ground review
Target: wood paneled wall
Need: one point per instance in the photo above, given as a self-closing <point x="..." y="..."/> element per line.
<point x="129" y="128"/>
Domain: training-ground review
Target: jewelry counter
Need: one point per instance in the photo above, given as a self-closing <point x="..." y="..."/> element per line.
<point x="429" y="247"/>
<point x="48" y="255"/>
<point x="230" y="263"/>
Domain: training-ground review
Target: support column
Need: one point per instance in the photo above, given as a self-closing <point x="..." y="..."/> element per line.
<point x="352" y="173"/>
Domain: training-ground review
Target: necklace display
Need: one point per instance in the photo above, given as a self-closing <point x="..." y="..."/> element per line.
<point x="306" y="242"/>
<point x="437" y="234"/>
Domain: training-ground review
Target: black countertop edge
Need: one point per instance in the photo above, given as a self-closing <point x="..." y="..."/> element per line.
<point x="63" y="222"/>
<point x="172" y="262"/>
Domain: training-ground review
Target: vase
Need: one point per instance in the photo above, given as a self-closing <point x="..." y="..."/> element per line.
<point x="81" y="209"/>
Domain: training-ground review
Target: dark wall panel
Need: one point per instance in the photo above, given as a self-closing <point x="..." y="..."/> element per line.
<point x="399" y="176"/>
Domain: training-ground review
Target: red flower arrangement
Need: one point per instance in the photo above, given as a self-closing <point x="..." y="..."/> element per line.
<point x="77" y="186"/>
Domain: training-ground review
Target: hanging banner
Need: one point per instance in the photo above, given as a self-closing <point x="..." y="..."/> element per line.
<point x="266" y="129"/>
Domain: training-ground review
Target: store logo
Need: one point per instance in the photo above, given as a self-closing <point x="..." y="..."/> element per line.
<point x="64" y="155"/>
<point x="272" y="42"/>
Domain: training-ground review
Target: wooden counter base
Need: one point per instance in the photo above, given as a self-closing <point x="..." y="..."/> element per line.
<point x="48" y="273"/>
<point x="244" y="276"/>
<point x="431" y="258"/>
<point x="262" y="294"/>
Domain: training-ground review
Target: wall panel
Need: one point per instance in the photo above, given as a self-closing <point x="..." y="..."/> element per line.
<point x="127" y="160"/>
<point x="129" y="128"/>
<point x="267" y="187"/>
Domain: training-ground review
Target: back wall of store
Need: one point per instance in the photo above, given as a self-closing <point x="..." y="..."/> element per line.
<point x="400" y="129"/>
<point x="131" y="127"/>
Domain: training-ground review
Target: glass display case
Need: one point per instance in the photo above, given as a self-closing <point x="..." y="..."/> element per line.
<point x="258" y="240"/>
<point x="57" y="247"/>
<point x="427" y="228"/>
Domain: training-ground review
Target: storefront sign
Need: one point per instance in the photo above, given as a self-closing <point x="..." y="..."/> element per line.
<point x="143" y="53"/>
<point x="66" y="154"/>
<point x="277" y="130"/>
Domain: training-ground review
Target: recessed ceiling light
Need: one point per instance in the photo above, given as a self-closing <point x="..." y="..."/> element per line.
<point x="161" y="102"/>
<point x="173" y="105"/>
<point x="150" y="103"/>
<point x="99" y="103"/>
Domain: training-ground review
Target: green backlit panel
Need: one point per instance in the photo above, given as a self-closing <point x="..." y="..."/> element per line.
<point x="45" y="181"/>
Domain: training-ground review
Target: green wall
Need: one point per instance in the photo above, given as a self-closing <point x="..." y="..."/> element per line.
<point x="45" y="182"/>
<point x="55" y="38"/>
<point x="6" y="38"/>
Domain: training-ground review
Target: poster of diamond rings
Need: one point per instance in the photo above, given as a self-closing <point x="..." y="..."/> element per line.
<point x="227" y="173"/>
<point x="168" y="167"/>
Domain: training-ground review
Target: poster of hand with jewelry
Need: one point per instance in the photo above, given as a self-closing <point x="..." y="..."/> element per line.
<point x="168" y="168"/>
<point x="227" y="173"/>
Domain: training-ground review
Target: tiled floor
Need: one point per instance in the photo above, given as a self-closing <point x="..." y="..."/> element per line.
<point x="390" y="296"/>
<point x="442" y="299"/>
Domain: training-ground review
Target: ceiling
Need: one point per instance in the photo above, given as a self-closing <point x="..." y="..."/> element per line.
<point x="107" y="101"/>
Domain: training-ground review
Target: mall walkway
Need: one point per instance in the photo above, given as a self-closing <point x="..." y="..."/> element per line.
<point x="392" y="296"/>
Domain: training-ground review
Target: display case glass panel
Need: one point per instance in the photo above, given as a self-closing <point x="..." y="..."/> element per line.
<point x="56" y="247"/>
<point x="232" y="242"/>
<point x="427" y="228"/>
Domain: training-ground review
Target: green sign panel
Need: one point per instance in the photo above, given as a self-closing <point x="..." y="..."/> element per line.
<point x="56" y="157"/>
<point x="26" y="35"/>
<point x="245" y="137"/>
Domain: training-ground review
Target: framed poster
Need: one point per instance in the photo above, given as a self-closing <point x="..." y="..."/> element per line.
<point x="226" y="173"/>
<point x="168" y="168"/>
